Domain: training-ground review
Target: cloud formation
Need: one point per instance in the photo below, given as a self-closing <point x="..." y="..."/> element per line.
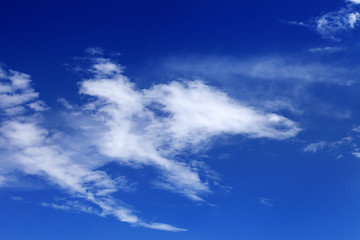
<point x="121" y="124"/>
<point x="275" y="68"/>
<point x="272" y="83"/>
<point x="314" y="147"/>
<point x="266" y="202"/>
<point x="340" y="147"/>
<point x="325" y="49"/>
<point x="332" y="25"/>
<point x="354" y="1"/>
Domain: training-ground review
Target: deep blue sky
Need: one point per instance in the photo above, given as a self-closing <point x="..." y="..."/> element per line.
<point x="272" y="56"/>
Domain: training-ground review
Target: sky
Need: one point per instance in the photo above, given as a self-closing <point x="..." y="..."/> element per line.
<point x="180" y="120"/>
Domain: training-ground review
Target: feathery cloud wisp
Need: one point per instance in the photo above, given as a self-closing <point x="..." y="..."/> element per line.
<point x="332" y="24"/>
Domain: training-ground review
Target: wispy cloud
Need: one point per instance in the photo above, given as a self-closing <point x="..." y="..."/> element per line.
<point x="356" y="129"/>
<point x="357" y="153"/>
<point x="266" y="202"/>
<point x="33" y="149"/>
<point x="326" y="49"/>
<point x="332" y="25"/>
<point x="273" y="68"/>
<point x="16" y="198"/>
<point x="94" y="51"/>
<point x="2" y="180"/>
<point x="120" y="123"/>
<point x="76" y="206"/>
<point x="272" y="83"/>
<point x="314" y="147"/>
<point x="354" y="1"/>
<point x="349" y="144"/>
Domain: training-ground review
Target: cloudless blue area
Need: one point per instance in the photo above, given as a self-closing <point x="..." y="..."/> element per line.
<point x="313" y="195"/>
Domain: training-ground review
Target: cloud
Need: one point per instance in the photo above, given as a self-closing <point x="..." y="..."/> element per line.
<point x="275" y="68"/>
<point x="356" y="129"/>
<point x="326" y="49"/>
<point x="272" y="83"/>
<point x="212" y="112"/>
<point x="94" y="51"/>
<point x="266" y="202"/>
<point x="34" y="150"/>
<point x="16" y="198"/>
<point x="347" y="145"/>
<point x="163" y="114"/>
<point x="329" y="24"/>
<point x="15" y="90"/>
<point x="332" y="25"/>
<point x="356" y="154"/>
<point x="2" y="180"/>
<point x="314" y="147"/>
<point x="73" y="206"/>
<point x="162" y="226"/>
<point x="131" y="127"/>
<point x="35" y="154"/>
<point x="354" y="1"/>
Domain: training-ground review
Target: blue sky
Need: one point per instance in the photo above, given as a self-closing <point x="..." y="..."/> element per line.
<point x="180" y="120"/>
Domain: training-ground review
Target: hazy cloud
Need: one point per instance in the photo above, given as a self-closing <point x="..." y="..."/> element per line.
<point x="273" y="68"/>
<point x="354" y="1"/>
<point x="266" y="202"/>
<point x="314" y="147"/>
<point x="326" y="49"/>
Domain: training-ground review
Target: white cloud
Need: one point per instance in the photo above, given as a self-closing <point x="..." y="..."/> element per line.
<point x="14" y="110"/>
<point x="19" y="80"/>
<point x="73" y="206"/>
<point x="94" y="51"/>
<point x="346" y="145"/>
<point x="314" y="147"/>
<point x="356" y="154"/>
<point x="16" y="198"/>
<point x="331" y="145"/>
<point x="65" y="103"/>
<point x="15" y="91"/>
<point x="2" y="180"/>
<point x="356" y="129"/>
<point x="353" y="18"/>
<point x="56" y="206"/>
<point x="35" y="154"/>
<point x="275" y="68"/>
<point x="354" y="1"/>
<point x="104" y="68"/>
<point x="332" y="24"/>
<point x="164" y="227"/>
<point x="271" y="83"/>
<point x="38" y="106"/>
<point x="326" y="49"/>
<point x="127" y="126"/>
<point x="33" y="149"/>
<point x="212" y="112"/>
<point x="266" y="202"/>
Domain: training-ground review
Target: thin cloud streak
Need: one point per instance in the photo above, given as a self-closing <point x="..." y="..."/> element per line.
<point x="266" y="202"/>
<point x="273" y="68"/>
